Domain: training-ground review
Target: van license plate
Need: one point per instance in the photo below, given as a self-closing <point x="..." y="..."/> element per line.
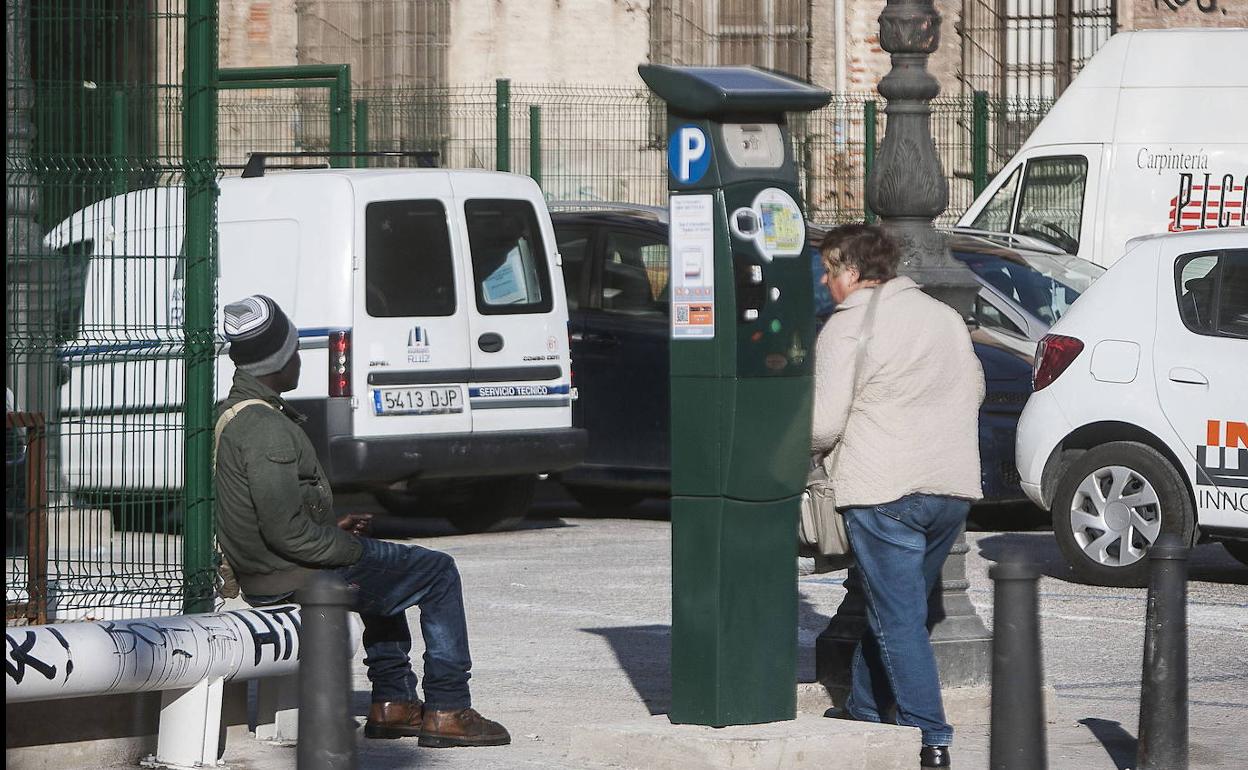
<point x="422" y="400"/>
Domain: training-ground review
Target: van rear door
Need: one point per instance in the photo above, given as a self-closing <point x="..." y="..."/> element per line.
<point x="518" y="318"/>
<point x="409" y="357"/>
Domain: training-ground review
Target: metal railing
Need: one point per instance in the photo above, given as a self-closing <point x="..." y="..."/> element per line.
<point x="26" y="532"/>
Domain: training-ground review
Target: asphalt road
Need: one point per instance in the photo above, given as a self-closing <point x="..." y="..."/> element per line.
<point x="570" y="625"/>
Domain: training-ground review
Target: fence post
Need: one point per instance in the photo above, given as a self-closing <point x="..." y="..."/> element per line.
<point x="868" y="155"/>
<point x="340" y="116"/>
<point x="1163" y="691"/>
<point x="361" y="131"/>
<point x="200" y="132"/>
<point x="502" y="124"/>
<point x="326" y="739"/>
<point x="120" y="144"/>
<point x="979" y="142"/>
<point x="535" y="143"/>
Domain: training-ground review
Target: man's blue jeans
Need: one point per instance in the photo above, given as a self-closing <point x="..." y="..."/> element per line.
<point x="387" y="580"/>
<point x="900" y="548"/>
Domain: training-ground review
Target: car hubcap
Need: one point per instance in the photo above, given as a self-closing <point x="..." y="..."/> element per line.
<point x="1115" y="516"/>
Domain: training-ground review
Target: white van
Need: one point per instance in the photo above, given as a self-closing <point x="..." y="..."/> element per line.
<point x="1151" y="137"/>
<point x="432" y="321"/>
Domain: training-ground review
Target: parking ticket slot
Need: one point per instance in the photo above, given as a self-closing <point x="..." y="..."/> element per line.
<point x="742" y="329"/>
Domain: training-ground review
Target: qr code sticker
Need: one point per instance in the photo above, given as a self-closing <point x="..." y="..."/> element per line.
<point x="682" y="314"/>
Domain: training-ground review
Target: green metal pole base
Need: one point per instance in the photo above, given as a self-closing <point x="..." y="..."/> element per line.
<point x="734" y="611"/>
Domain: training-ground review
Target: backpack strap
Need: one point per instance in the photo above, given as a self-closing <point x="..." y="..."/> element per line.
<point x="227" y="417"/>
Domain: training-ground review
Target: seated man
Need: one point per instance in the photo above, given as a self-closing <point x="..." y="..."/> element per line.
<point x="276" y="524"/>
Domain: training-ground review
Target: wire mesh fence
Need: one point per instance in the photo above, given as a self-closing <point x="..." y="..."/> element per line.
<point x="609" y="144"/>
<point x="95" y="345"/>
<point x="104" y="336"/>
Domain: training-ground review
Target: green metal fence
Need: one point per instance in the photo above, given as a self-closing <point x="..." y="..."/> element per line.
<point x="599" y="143"/>
<point x="109" y="306"/>
<point x="115" y="122"/>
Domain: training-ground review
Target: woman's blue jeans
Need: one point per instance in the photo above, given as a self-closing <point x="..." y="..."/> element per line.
<point x="900" y="548"/>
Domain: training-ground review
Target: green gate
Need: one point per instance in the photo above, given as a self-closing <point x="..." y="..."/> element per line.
<point x="110" y="275"/>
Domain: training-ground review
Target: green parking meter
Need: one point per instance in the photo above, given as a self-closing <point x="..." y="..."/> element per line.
<point x="742" y="335"/>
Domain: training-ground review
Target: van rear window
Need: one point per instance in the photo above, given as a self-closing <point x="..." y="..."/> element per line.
<point x="408" y="268"/>
<point x="508" y="257"/>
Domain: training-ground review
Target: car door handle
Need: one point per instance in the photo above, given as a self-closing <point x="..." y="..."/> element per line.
<point x="1188" y="376"/>
<point x="576" y="337"/>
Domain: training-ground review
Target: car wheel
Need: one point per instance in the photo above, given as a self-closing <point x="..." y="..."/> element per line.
<point x="1238" y="549"/>
<point x="599" y="500"/>
<point x="1111" y="506"/>
<point x="487" y="505"/>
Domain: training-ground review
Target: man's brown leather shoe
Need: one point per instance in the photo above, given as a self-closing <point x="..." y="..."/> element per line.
<point x="394" y="719"/>
<point x="465" y="727"/>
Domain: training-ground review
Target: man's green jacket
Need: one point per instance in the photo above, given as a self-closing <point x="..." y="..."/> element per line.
<point x="275" y="511"/>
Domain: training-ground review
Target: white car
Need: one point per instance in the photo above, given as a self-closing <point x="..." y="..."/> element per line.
<point x="1139" y="420"/>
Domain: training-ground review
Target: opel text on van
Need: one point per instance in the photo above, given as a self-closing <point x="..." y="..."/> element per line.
<point x="432" y="322"/>
<point x="1151" y="137"/>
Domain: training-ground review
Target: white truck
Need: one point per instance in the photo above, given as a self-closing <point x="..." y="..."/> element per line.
<point x="432" y="321"/>
<point x="1151" y="137"/>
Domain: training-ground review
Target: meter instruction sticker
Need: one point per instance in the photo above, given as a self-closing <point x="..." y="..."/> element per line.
<point x="688" y="154"/>
<point x="774" y="222"/>
<point x="692" y="220"/>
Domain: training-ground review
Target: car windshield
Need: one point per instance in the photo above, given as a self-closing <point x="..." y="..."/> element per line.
<point x="1043" y="285"/>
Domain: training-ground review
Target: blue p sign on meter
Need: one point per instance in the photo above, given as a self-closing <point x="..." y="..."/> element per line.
<point x="688" y="154"/>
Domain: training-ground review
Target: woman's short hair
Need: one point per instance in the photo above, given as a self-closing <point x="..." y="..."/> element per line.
<point x="867" y="248"/>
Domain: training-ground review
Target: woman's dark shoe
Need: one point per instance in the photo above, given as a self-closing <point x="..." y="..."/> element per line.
<point x="838" y="713"/>
<point x="934" y="756"/>
<point x="394" y="719"/>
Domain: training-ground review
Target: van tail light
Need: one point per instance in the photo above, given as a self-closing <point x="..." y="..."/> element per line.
<point x="1054" y="353"/>
<point x="340" y="363"/>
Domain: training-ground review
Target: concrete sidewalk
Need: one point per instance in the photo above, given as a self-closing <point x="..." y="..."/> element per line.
<point x="570" y="629"/>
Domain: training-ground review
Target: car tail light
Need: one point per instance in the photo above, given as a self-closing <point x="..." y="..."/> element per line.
<point x="340" y="363"/>
<point x="1054" y="353"/>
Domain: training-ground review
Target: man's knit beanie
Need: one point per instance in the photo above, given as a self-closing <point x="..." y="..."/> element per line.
<point x="262" y="339"/>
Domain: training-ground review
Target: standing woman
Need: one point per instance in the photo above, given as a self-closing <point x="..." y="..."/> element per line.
<point x="908" y="466"/>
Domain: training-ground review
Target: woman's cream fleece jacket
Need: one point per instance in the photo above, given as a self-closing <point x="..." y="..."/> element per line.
<point x="914" y="426"/>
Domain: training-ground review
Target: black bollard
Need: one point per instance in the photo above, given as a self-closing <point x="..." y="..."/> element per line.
<point x="1017" y="733"/>
<point x="326" y="739"/>
<point x="1163" y="686"/>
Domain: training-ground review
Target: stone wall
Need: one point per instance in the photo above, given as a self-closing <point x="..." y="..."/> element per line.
<point x="597" y="42"/>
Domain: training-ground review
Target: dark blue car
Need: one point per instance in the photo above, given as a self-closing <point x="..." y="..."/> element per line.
<point x="615" y="264"/>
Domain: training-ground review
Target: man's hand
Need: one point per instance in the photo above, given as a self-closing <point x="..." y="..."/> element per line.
<point x="360" y="524"/>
